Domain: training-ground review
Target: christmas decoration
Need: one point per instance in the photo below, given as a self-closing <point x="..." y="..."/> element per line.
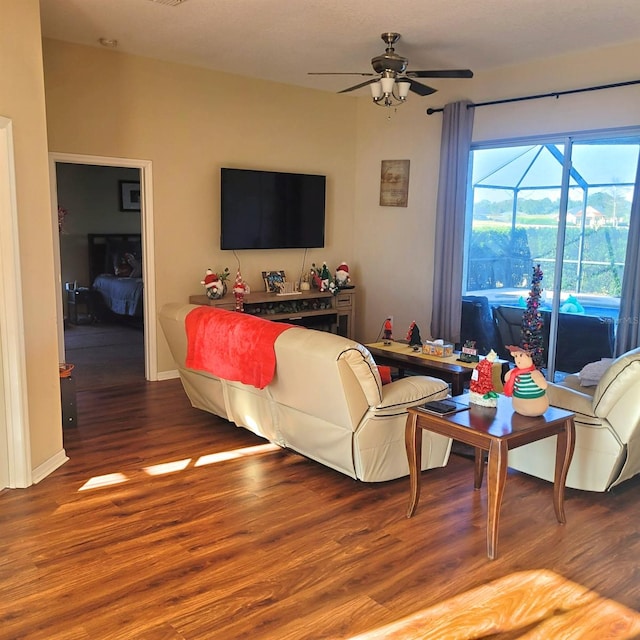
<point x="413" y="336"/>
<point x="525" y="384"/>
<point x="215" y="284"/>
<point x="342" y="277"/>
<point x="240" y="289"/>
<point x="387" y="331"/>
<point x="532" y="322"/>
<point x="481" y="389"/>
<point x="469" y="353"/>
<point x="327" y="283"/>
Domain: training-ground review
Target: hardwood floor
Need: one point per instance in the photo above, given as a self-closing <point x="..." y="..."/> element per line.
<point x="242" y="540"/>
<point x="104" y="354"/>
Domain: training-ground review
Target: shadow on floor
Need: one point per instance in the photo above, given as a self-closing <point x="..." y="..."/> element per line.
<point x="104" y="355"/>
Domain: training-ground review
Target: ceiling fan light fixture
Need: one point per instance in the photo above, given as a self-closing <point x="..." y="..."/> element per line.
<point x="376" y="90"/>
<point x="403" y="89"/>
<point x="388" y="92"/>
<point x="387" y="85"/>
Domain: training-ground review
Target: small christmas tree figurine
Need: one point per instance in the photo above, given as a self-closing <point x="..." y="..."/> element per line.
<point x="532" y="322"/>
<point x="413" y="336"/>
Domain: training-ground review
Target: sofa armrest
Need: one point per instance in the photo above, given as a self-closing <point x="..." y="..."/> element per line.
<point x="409" y="392"/>
<point x="570" y="399"/>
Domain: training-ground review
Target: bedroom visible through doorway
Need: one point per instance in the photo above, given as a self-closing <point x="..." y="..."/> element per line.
<point x="100" y="236"/>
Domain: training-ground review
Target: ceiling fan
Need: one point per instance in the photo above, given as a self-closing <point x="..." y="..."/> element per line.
<point x="392" y="81"/>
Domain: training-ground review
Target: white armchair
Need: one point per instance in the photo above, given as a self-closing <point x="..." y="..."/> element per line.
<point x="607" y="429"/>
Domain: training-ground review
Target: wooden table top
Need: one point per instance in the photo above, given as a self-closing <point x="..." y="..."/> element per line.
<point x="500" y="422"/>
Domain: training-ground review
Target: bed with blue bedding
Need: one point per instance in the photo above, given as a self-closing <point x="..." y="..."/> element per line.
<point x="115" y="270"/>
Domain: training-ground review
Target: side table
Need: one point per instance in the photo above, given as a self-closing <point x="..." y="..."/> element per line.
<point x="79" y="306"/>
<point x="495" y="430"/>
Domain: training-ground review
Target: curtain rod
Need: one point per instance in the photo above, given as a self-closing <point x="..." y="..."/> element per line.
<point x="553" y="94"/>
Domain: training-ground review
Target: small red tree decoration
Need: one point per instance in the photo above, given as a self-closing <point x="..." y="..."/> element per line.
<point x="481" y="390"/>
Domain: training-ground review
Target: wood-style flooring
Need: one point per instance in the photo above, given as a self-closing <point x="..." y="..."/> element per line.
<point x="170" y="524"/>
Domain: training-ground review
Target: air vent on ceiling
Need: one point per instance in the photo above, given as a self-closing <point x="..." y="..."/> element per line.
<point x="171" y="3"/>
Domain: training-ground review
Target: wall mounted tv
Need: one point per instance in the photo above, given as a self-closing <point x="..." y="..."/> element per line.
<point x="271" y="210"/>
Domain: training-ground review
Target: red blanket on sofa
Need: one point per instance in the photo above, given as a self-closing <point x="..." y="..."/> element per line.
<point x="232" y="345"/>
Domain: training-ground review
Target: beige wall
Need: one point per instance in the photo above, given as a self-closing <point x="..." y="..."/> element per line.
<point x="22" y="100"/>
<point x="105" y="103"/>
<point x="189" y="122"/>
<point x="394" y="246"/>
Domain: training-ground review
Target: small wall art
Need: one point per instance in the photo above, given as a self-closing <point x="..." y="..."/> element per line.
<point x="394" y="183"/>
<point x="274" y="280"/>
<point x="129" y="195"/>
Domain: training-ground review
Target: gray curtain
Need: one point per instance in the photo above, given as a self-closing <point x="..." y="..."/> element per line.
<point x="627" y="336"/>
<point x="457" y="127"/>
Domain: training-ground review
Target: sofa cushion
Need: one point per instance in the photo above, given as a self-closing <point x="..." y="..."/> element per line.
<point x="363" y="365"/>
<point x="412" y="391"/>
<point x="620" y="377"/>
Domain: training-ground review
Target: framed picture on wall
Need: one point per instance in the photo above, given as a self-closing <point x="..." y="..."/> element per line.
<point x="394" y="183"/>
<point x="129" y="195"/>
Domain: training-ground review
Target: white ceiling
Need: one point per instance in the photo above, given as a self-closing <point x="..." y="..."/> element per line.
<point x="282" y="40"/>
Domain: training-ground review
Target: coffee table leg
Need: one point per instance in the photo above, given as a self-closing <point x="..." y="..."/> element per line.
<point x="565" y="445"/>
<point x="497" y="472"/>
<point x="479" y="468"/>
<point x="413" y="443"/>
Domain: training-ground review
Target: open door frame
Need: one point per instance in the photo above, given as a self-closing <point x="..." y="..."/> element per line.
<point x="148" y="255"/>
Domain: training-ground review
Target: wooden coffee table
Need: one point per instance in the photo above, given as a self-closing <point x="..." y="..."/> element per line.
<point x="401" y="356"/>
<point x="495" y="430"/>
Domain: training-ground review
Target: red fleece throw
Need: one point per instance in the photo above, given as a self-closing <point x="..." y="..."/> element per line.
<point x="232" y="345"/>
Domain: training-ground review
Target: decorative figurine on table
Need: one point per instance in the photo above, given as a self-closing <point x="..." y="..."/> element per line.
<point x="481" y="390"/>
<point x="342" y="277"/>
<point x="240" y="289"/>
<point x="469" y="353"/>
<point x="314" y="277"/>
<point x="413" y="336"/>
<point x="525" y="385"/>
<point x="215" y="286"/>
<point x="327" y="283"/>
<point x="387" y="332"/>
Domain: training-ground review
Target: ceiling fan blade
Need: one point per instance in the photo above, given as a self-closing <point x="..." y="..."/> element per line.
<point x="442" y="73"/>
<point x="420" y="89"/>
<point x="338" y="73"/>
<point x="358" y="86"/>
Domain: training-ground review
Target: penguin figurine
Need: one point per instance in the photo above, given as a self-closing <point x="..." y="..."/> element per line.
<point x="525" y="385"/>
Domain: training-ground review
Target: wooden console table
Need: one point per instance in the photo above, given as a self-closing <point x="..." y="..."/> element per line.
<point x="314" y="309"/>
<point x="495" y="430"/>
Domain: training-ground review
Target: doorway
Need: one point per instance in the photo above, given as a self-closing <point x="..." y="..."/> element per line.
<point x="137" y="170"/>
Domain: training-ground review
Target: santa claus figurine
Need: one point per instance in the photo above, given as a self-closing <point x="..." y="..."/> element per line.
<point x="481" y="390"/>
<point x="214" y="287"/>
<point x="342" y="275"/>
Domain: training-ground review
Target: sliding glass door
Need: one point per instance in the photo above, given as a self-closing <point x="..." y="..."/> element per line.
<point x="562" y="203"/>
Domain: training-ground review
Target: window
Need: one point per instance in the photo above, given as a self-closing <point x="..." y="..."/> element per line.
<point x="563" y="203"/>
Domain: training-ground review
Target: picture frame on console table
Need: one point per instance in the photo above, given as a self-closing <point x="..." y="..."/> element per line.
<point x="274" y="281"/>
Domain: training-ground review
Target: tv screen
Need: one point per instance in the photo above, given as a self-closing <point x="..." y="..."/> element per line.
<point x="271" y="210"/>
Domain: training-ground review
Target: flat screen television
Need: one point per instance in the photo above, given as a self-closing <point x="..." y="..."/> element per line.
<point x="271" y="210"/>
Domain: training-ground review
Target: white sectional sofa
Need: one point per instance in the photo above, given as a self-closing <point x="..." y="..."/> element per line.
<point x="325" y="401"/>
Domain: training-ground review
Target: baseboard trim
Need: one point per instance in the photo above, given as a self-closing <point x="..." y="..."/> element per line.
<point x="168" y="375"/>
<point x="49" y="466"/>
